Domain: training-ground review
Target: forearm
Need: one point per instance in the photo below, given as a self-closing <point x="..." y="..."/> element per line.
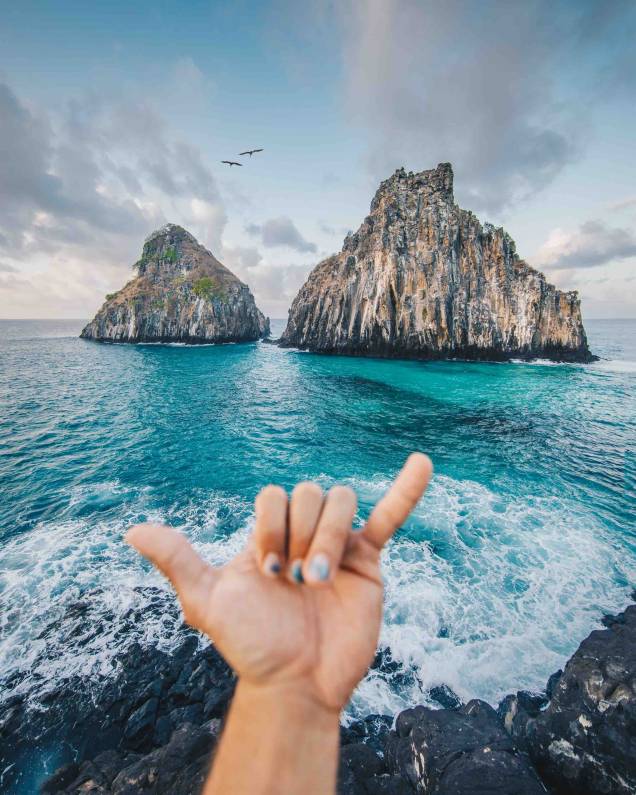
<point x="276" y="740"/>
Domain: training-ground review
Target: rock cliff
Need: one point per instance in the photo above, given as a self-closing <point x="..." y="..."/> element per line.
<point x="181" y="294"/>
<point x="422" y="278"/>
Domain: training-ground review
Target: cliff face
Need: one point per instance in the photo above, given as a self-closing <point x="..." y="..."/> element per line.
<point x="422" y="278"/>
<point x="181" y="294"/>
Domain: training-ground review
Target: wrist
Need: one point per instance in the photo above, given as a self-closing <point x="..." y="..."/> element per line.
<point x="292" y="739"/>
<point x="294" y="701"/>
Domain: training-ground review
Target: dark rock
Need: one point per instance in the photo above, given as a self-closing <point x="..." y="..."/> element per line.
<point x="372" y="731"/>
<point x="181" y="293"/>
<point x="445" y="697"/>
<point x="552" y="683"/>
<point x="346" y="783"/>
<point x="62" y="777"/>
<point x="515" y="711"/>
<point x="464" y="750"/>
<point x="584" y="742"/>
<point x="424" y="279"/>
<point x="140" y="726"/>
<point x="218" y="700"/>
<point x="163" y="730"/>
<point x="159" y="770"/>
<point x="193" y="713"/>
<point x="387" y="784"/>
<point x="362" y="760"/>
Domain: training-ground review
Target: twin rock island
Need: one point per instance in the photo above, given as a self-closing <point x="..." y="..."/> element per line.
<point x="420" y="279"/>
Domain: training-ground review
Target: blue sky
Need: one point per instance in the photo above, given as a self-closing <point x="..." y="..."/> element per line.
<point x="114" y="117"/>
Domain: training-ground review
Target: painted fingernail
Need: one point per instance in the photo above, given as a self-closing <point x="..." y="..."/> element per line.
<point x="297" y="571"/>
<point x="271" y="564"/>
<point x="319" y="567"/>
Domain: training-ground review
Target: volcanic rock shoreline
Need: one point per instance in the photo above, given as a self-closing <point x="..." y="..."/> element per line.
<point x="153" y="729"/>
<point x="424" y="279"/>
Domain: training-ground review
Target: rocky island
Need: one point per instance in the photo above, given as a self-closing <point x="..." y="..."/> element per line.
<point x="424" y="279"/>
<point x="181" y="293"/>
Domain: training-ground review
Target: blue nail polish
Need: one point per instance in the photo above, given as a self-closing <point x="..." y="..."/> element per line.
<point x="319" y="567"/>
<point x="297" y="571"/>
<point x="275" y="567"/>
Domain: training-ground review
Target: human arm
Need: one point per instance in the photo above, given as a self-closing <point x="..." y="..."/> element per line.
<point x="297" y="615"/>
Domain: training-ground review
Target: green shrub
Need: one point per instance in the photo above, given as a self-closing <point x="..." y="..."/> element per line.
<point x="143" y="261"/>
<point x="170" y="254"/>
<point x="208" y="288"/>
<point x="110" y="296"/>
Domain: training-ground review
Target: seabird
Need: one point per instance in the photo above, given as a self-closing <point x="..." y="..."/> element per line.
<point x="250" y="152"/>
<point x="231" y="163"/>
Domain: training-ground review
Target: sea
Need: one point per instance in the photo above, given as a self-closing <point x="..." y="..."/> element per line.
<point x="525" y="539"/>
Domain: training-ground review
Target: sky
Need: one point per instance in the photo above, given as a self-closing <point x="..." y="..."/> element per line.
<point x="114" y="118"/>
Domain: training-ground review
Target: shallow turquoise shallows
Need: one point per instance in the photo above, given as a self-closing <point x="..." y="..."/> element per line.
<point x="524" y="540"/>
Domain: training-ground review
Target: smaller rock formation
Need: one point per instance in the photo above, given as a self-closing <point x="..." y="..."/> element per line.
<point x="181" y="293"/>
<point x="424" y="279"/>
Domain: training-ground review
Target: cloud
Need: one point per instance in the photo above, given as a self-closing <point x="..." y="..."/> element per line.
<point x="81" y="187"/>
<point x="593" y="244"/>
<point x="5" y="268"/>
<point x="281" y="232"/>
<point x="624" y="204"/>
<point x="431" y="82"/>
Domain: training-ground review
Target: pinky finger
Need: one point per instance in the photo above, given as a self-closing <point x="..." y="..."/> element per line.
<point x="400" y="499"/>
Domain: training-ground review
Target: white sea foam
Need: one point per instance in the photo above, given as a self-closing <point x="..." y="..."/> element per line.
<point x="520" y="584"/>
<point x="496" y="599"/>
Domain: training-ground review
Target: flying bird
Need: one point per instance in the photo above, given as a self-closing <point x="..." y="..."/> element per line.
<point x="231" y="163"/>
<point x="250" y="152"/>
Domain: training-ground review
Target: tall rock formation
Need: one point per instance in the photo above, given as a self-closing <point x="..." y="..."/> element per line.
<point x="422" y="278"/>
<point x="181" y="293"/>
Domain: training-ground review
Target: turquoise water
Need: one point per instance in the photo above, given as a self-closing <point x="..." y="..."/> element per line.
<point x="524" y="540"/>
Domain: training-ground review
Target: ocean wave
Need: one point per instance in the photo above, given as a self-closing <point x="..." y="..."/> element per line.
<point x="484" y="592"/>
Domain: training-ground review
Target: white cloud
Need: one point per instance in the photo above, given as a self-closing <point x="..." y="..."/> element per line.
<point x="593" y="244"/>
<point x="281" y="232"/>
<point x="476" y="84"/>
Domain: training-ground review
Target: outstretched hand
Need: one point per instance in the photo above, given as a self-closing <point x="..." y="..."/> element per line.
<point x="301" y="606"/>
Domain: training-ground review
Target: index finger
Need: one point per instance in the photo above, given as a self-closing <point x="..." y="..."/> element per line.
<point x="399" y="500"/>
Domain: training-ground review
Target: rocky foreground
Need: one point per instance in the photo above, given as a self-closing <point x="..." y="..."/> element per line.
<point x="154" y="727"/>
<point x="181" y="293"/>
<point x="424" y="279"/>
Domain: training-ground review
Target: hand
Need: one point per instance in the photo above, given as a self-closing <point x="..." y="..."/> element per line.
<point x="301" y="607"/>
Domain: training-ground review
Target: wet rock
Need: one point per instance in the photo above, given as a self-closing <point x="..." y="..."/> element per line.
<point x="362" y="760"/>
<point x="62" y="777"/>
<point x="218" y="700"/>
<point x="371" y="730"/>
<point x="553" y="681"/>
<point x="130" y="712"/>
<point x="140" y="725"/>
<point x="162" y="770"/>
<point x="387" y="784"/>
<point x="445" y="697"/>
<point x="422" y="278"/>
<point x="181" y="293"/>
<point x="464" y="750"/>
<point x="584" y="741"/>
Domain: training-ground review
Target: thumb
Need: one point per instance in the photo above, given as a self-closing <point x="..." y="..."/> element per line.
<point x="174" y="556"/>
